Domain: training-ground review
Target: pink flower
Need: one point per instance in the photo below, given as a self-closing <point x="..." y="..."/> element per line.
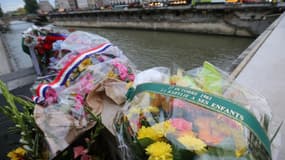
<point x="122" y="69"/>
<point x="78" y="151"/>
<point x="131" y="77"/>
<point x="51" y="96"/>
<point x="100" y="59"/>
<point x="86" y="84"/>
<point x="181" y="124"/>
<point x="79" y="101"/>
<point x="123" y="76"/>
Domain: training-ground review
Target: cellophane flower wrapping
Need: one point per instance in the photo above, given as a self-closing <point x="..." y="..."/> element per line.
<point x="155" y="126"/>
<point x="86" y="79"/>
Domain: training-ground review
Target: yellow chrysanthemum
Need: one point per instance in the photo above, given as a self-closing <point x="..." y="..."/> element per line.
<point x="163" y="128"/>
<point x="240" y="152"/>
<point x="112" y="75"/>
<point x="192" y="143"/>
<point x="148" y="132"/>
<point x="17" y="154"/>
<point x="159" y="151"/>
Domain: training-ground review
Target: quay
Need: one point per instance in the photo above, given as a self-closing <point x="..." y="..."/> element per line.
<point x="262" y="70"/>
<point x="225" y="19"/>
<point x="12" y="75"/>
<point x="5" y="62"/>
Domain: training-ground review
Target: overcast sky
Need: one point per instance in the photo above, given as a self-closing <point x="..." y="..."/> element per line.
<point x="10" y="5"/>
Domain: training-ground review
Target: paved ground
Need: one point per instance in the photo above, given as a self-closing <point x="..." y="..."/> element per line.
<point x="265" y="74"/>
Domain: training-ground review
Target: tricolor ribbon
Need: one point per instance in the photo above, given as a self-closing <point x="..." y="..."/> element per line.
<point x="68" y="68"/>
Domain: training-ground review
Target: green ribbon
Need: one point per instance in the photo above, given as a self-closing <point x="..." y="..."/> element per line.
<point x="210" y="102"/>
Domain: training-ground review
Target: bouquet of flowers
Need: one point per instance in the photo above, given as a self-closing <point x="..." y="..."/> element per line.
<point x="62" y="121"/>
<point x="43" y="44"/>
<point x="197" y="115"/>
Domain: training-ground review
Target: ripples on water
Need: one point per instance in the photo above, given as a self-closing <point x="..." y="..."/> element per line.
<point x="148" y="48"/>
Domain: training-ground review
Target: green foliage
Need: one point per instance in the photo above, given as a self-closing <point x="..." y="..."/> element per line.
<point x="1" y="12"/>
<point x="31" y="6"/>
<point x="32" y="139"/>
<point x="144" y="142"/>
<point x="21" y="11"/>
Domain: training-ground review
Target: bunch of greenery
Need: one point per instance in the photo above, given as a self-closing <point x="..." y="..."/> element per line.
<point x="32" y="139"/>
<point x="32" y="145"/>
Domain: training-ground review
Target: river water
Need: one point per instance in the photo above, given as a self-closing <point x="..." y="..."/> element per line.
<point x="149" y="48"/>
<point x="145" y="48"/>
<point x="13" y="41"/>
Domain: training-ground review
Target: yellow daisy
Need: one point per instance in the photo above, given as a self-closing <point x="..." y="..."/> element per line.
<point x="192" y="143"/>
<point x="17" y="154"/>
<point x="148" y="132"/>
<point x="163" y="128"/>
<point x="159" y="151"/>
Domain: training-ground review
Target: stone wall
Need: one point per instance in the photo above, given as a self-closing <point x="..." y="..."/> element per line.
<point x="233" y="21"/>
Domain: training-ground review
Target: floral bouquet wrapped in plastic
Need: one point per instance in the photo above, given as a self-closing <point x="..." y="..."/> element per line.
<point x="86" y="82"/>
<point x="199" y="115"/>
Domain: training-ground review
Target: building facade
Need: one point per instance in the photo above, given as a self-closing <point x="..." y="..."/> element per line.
<point x="73" y="4"/>
<point x="92" y="4"/>
<point x="45" y="6"/>
<point x="82" y="4"/>
<point x="62" y="4"/>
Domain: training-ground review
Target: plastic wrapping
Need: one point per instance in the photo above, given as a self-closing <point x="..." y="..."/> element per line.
<point x="88" y="77"/>
<point x="102" y="81"/>
<point x="80" y="41"/>
<point x="199" y="114"/>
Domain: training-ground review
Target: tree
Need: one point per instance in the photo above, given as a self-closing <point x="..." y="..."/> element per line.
<point x="31" y="6"/>
<point x="21" y="11"/>
<point x="1" y="12"/>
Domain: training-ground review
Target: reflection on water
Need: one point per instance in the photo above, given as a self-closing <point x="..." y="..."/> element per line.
<point x="148" y="48"/>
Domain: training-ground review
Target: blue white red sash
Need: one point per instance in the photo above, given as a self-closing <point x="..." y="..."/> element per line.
<point x="68" y="68"/>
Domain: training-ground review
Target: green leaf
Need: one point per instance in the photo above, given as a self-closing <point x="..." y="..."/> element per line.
<point x="24" y="103"/>
<point x="211" y="78"/>
<point x="183" y="154"/>
<point x="144" y="142"/>
<point x="220" y="152"/>
<point x="9" y="98"/>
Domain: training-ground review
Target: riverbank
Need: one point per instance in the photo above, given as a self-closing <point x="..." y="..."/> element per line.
<point x="262" y="70"/>
<point x="248" y="20"/>
<point x="16" y="68"/>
